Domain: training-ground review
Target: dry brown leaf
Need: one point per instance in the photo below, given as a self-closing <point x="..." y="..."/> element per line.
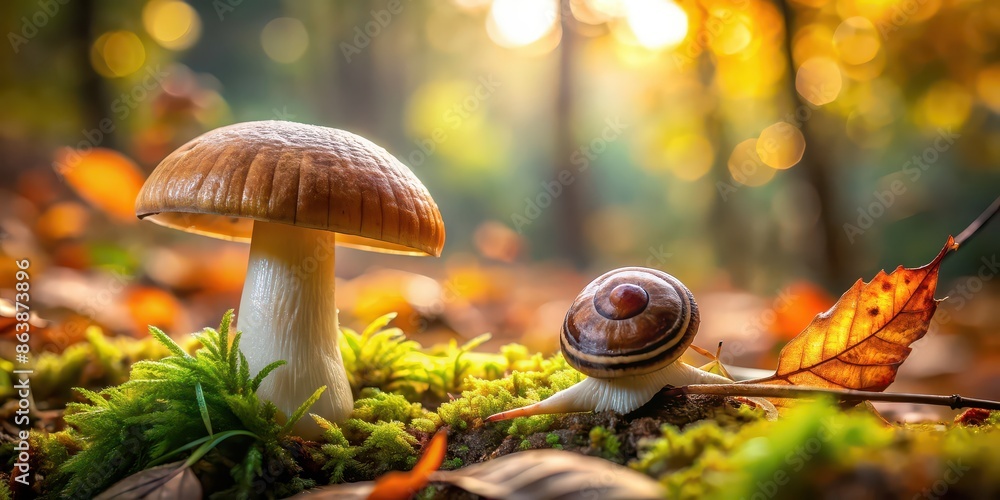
<point x="861" y="341"/>
<point x="526" y="475"/>
<point x="173" y="481"/>
<point x="551" y="474"/>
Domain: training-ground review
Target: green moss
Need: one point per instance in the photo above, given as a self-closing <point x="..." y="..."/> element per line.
<point x="606" y="442"/>
<point x="97" y="362"/>
<point x="486" y="397"/>
<point x="817" y="447"/>
<point x="168" y="404"/>
<point x="733" y="453"/>
<point x="384" y="358"/>
<point x="375" y="405"/>
<point x="452" y="464"/>
<point x="553" y="441"/>
<point x="357" y="450"/>
<point x="994" y="418"/>
<point x="379" y="437"/>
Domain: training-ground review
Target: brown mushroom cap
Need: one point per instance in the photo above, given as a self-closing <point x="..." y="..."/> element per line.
<point x="304" y="175"/>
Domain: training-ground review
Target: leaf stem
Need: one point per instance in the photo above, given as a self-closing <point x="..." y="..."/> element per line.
<point x="978" y="223"/>
<point x="954" y="401"/>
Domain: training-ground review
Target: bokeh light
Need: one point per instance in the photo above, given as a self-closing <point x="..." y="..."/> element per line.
<point x="609" y="8"/>
<point x="172" y="24"/>
<point x="819" y="81"/>
<point x="988" y="87"/>
<point x="856" y="40"/>
<point x="946" y="104"/>
<point x="471" y="5"/>
<point x="781" y="145"/>
<point x="746" y="167"/>
<point x="585" y="12"/>
<point x="656" y="24"/>
<point x="517" y="23"/>
<point x="813" y="40"/>
<point x="117" y="54"/>
<point x="689" y="156"/>
<point x="285" y="39"/>
<point x="866" y="71"/>
<point x="732" y="31"/>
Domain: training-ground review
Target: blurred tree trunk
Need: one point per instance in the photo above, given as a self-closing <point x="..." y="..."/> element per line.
<point x="730" y="234"/>
<point x="94" y="104"/>
<point x="570" y="210"/>
<point x="356" y="107"/>
<point x="827" y="254"/>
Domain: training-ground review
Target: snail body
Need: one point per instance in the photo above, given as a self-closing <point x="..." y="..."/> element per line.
<point x="625" y="331"/>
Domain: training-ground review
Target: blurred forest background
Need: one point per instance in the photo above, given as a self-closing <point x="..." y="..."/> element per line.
<point x="768" y="153"/>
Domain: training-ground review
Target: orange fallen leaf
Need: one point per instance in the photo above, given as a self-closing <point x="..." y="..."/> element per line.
<point x="403" y="485"/>
<point x="801" y="303"/>
<point x="63" y="220"/>
<point x="105" y="178"/>
<point x="152" y="306"/>
<point x="861" y="341"/>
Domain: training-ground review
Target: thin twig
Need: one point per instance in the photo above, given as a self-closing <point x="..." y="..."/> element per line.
<point x="978" y="223"/>
<point x="954" y="401"/>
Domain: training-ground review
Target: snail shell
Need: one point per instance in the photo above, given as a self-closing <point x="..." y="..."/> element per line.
<point x="629" y="321"/>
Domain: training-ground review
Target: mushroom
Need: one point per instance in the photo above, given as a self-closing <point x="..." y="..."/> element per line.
<point x="293" y="191"/>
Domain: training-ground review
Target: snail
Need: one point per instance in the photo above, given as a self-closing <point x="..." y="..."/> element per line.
<point x="626" y="331"/>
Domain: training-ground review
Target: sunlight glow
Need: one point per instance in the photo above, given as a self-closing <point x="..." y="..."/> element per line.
<point x="657" y="24"/>
<point x="517" y="23"/>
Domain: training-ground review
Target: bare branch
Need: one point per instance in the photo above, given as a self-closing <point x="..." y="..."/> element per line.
<point x="954" y="401"/>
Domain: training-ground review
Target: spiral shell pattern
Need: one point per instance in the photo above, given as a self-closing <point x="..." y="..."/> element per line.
<point x="629" y="321"/>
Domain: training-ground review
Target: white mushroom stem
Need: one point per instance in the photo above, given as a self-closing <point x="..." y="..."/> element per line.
<point x="622" y="394"/>
<point x="287" y="312"/>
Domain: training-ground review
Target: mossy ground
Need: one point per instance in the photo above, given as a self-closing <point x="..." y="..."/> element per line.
<point x="696" y="446"/>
